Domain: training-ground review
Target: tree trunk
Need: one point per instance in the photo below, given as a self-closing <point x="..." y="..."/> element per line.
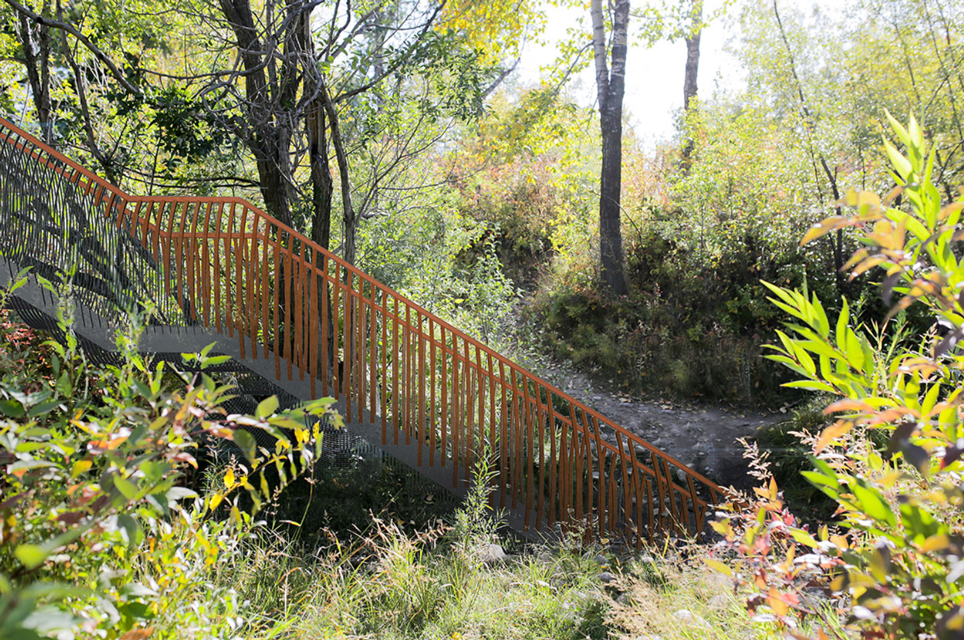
<point x="267" y="139"/>
<point x="349" y="219"/>
<point x="610" y="89"/>
<point x="692" y="54"/>
<point x="270" y="149"/>
<point x="692" y="71"/>
<point x="37" y="63"/>
<point x="322" y="186"/>
<point x="610" y="232"/>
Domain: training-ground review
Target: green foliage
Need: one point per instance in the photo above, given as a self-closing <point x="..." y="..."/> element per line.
<point x="444" y="261"/>
<point x="891" y="461"/>
<point x="101" y="531"/>
<point x="680" y="332"/>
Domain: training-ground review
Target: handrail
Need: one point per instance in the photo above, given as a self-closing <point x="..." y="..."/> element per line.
<point x="226" y="265"/>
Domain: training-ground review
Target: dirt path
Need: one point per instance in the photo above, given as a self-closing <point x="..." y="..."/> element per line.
<point x="702" y="437"/>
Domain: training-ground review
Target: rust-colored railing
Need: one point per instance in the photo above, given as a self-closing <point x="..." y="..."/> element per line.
<point x="224" y="264"/>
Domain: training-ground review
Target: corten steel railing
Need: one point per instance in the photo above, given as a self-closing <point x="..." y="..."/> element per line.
<point x="225" y="265"/>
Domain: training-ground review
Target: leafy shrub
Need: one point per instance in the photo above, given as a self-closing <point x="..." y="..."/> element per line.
<point x="892" y="459"/>
<point x="99" y="533"/>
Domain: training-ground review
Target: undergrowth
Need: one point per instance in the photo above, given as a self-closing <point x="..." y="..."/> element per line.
<point x="200" y="569"/>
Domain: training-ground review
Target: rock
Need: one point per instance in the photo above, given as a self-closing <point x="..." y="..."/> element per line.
<point x="493" y="554"/>
<point x="606" y="577"/>
<point x="601" y="560"/>
<point x="689" y="618"/>
<point x="719" y="601"/>
<point x="647" y="636"/>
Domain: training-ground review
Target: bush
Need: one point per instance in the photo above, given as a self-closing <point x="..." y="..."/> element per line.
<point x="892" y="459"/>
<point x="100" y="532"/>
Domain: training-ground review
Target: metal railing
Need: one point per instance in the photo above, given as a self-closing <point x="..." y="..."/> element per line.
<point x="223" y="264"/>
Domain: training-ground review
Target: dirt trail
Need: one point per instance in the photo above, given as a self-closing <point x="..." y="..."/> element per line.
<point x="701" y="437"/>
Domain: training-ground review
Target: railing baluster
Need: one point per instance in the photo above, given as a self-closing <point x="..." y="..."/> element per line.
<point x="297" y="272"/>
<point x="372" y="352"/>
<point x="432" y="366"/>
<point x="395" y="365"/>
<point x="384" y="370"/>
<point x="456" y="422"/>
<point x="444" y="416"/>
<point x="529" y="452"/>
<point x="326" y="315"/>
<point x="503" y="439"/>
<point x="348" y="337"/>
<point x="468" y="375"/>
<point x="337" y="371"/>
<point x="407" y="375"/>
<point x="421" y="389"/>
<point x="517" y="468"/>
<point x="313" y="323"/>
<point x="359" y="386"/>
<point x="553" y="461"/>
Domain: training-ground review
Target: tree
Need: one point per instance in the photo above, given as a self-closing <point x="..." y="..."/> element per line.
<point x="610" y="87"/>
<point x="281" y="78"/>
<point x="692" y="39"/>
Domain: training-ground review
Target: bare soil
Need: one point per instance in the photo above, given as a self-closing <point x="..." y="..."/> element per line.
<point x="703" y="437"/>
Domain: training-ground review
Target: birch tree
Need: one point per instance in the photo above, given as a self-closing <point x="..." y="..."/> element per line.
<point x="610" y="61"/>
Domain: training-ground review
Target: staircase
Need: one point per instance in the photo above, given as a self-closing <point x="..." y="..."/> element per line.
<point x="300" y="322"/>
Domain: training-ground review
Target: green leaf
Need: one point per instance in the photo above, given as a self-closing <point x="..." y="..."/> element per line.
<point x="897" y="160"/>
<point x="842" y="321"/>
<point x="30" y="555"/>
<point x="267" y="407"/>
<point x="43" y="408"/>
<point x="855" y="352"/>
<point x="12" y="409"/>
<point x="64" y="385"/>
<point x="822" y="482"/>
<point x="246" y="443"/>
<point x="872" y="503"/>
<point x="127" y="488"/>
<point x="26" y="465"/>
<point x="214" y="360"/>
<point x="131" y="528"/>
<point x="811" y="385"/>
<point x="898" y="128"/>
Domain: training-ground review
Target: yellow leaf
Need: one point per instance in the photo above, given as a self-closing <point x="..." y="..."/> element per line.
<point x="823" y="228"/>
<point x="229" y="478"/>
<point x="216" y="500"/>
<point x="935" y="543"/>
<point x="776" y="603"/>
<point x="79" y="467"/>
<point x="803" y="537"/>
<point x="718" y="566"/>
<point x="839" y="541"/>
<point x="831" y="433"/>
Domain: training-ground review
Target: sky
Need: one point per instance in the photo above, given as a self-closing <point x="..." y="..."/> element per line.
<point x="654" y="80"/>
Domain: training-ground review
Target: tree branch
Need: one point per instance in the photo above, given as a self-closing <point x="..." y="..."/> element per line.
<point x="63" y="26"/>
